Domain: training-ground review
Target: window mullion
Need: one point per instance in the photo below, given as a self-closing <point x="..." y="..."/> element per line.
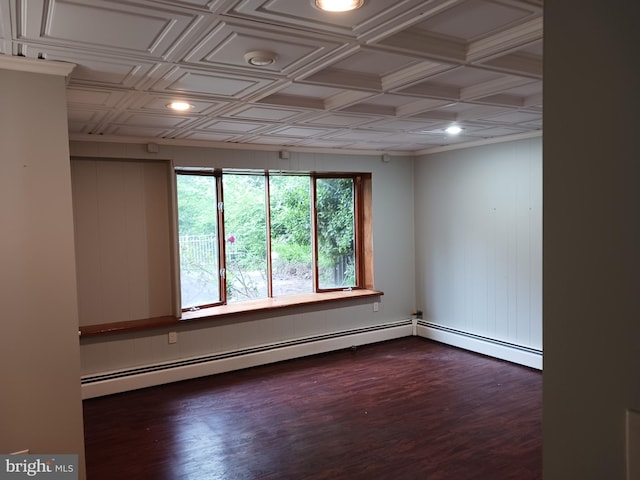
<point x="222" y="261"/>
<point x="358" y="230"/>
<point x="314" y="234"/>
<point x="267" y="192"/>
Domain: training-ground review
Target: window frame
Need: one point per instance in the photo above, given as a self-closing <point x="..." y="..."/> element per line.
<point x="362" y="280"/>
<point x="217" y="175"/>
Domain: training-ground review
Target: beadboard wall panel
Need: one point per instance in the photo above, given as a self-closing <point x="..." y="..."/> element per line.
<point x="478" y="221"/>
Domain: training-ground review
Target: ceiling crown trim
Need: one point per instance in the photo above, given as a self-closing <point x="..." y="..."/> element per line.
<point x="22" y="64"/>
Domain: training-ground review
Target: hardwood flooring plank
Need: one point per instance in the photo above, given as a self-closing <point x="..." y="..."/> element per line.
<point x="405" y="409"/>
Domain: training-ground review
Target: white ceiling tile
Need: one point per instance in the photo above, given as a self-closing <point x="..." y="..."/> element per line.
<point x="257" y="112"/>
<point x="474" y="18"/>
<point x="87" y="96"/>
<point x="535" y="124"/>
<point x="513" y="117"/>
<point x="276" y="140"/>
<point x="231" y="126"/>
<point x="208" y="136"/>
<point x="227" y="44"/>
<point x="374" y="62"/>
<point x="99" y="69"/>
<point x="78" y="116"/>
<point x="337" y="120"/>
<point x="304" y="15"/>
<point x="309" y="90"/>
<point x="204" y="82"/>
<point x="136" y="131"/>
<point x="398" y="125"/>
<point x="534" y="88"/>
<point x="107" y="26"/>
<point x="158" y="103"/>
<point x="324" y="143"/>
<point x="152" y="121"/>
<point x="465" y="77"/>
<point x="300" y="131"/>
<point x="362" y="135"/>
<point x="496" y="132"/>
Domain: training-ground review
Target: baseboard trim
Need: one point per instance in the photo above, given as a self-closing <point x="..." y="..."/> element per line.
<point x="494" y="348"/>
<point x="159" y="374"/>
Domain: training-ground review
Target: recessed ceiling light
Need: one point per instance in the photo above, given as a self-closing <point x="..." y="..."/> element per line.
<point x="453" y="130"/>
<point x="338" y="5"/>
<point x="260" y="58"/>
<point x="180" y="106"/>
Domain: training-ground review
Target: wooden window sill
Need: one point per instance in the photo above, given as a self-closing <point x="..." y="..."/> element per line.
<point x="224" y="311"/>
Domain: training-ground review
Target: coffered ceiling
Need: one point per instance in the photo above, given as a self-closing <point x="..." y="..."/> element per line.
<point x="389" y="77"/>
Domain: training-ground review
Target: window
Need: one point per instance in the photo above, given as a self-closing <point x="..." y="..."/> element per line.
<point x="254" y="235"/>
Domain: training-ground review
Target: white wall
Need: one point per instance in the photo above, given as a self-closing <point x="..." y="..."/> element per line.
<point x="591" y="236"/>
<point x="123" y="241"/>
<point x="478" y="221"/>
<point x="40" y="406"/>
<point x="393" y="244"/>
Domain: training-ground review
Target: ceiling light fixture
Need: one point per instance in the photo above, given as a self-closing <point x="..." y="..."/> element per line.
<point x="260" y="58"/>
<point x="338" y="5"/>
<point x="453" y="130"/>
<point x="180" y="106"/>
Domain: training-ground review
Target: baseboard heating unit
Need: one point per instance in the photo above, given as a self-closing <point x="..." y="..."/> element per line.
<point x="522" y="355"/>
<point x="184" y="369"/>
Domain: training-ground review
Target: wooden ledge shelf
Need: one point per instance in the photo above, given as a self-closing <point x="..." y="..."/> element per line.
<point x="224" y="311"/>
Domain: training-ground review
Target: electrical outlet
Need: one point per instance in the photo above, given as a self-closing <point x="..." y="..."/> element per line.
<point x="376" y="306"/>
<point x="173" y="337"/>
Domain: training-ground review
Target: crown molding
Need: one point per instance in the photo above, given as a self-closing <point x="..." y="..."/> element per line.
<point x="106" y="139"/>
<point x="23" y="64"/>
<point x="479" y="143"/>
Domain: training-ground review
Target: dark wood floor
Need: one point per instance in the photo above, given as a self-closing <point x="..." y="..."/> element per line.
<point x="399" y="410"/>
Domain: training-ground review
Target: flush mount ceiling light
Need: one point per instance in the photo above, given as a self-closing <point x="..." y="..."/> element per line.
<point x="338" y="5"/>
<point x="453" y="130"/>
<point x="180" y="106"/>
<point x="260" y="58"/>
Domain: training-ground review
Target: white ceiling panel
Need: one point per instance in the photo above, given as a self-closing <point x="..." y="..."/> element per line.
<point x="107" y="26"/>
<point x="264" y="113"/>
<point x="94" y="97"/>
<point x="232" y="126"/>
<point x="362" y="80"/>
<point x="227" y="44"/>
<point x="204" y="82"/>
<point x="475" y="18"/>
<point x="337" y="120"/>
<point x="79" y="116"/>
<point x="513" y="117"/>
<point x="400" y="125"/>
<point x="207" y="136"/>
<point x="297" y="131"/>
<point x="136" y="131"/>
<point x="363" y="135"/>
<point x="158" y="104"/>
<point x="496" y="132"/>
<point x="152" y="121"/>
<point x="303" y="14"/>
<point x="98" y="69"/>
<point x="280" y="140"/>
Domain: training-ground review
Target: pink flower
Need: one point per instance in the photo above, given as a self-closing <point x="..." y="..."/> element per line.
<point x="231" y="239"/>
